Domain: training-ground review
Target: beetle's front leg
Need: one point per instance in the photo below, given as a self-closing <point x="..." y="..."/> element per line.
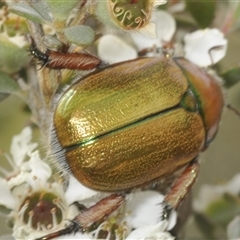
<point x="86" y="218"/>
<point x="62" y="60"/>
<point x="181" y="186"/>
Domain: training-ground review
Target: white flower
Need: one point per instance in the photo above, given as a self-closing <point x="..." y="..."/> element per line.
<point x="151" y="30"/>
<point x="6" y="198"/>
<point x="159" y="2"/>
<point x="21" y="145"/>
<point x="83" y="193"/>
<point x="112" y="49"/>
<point x="146" y="209"/>
<point x="38" y="171"/>
<point x="205" y="47"/>
<point x="165" y="28"/>
<point x="143" y="214"/>
<point x="37" y="204"/>
<point x="40" y="205"/>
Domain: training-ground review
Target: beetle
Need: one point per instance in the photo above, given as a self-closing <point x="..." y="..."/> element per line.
<point x="131" y="124"/>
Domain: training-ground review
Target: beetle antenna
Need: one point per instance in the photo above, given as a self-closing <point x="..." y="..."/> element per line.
<point x="230" y="107"/>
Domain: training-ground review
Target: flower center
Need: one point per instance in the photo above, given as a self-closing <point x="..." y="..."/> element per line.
<point x="42" y="210"/>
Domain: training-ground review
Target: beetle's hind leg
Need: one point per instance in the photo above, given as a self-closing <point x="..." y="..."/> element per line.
<point x="181" y="187"/>
<point x="87" y="217"/>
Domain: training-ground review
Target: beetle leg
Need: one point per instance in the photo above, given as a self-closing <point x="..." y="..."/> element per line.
<point x="181" y="186"/>
<point x="74" y="61"/>
<point x="84" y="220"/>
<point x="61" y="60"/>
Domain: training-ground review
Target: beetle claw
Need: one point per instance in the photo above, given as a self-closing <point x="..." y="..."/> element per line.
<point x="166" y="212"/>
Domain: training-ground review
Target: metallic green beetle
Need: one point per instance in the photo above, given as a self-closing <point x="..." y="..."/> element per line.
<point x="135" y="122"/>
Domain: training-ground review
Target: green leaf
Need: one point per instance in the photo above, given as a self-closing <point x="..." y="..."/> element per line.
<point x="202" y="11"/>
<point x="12" y="57"/>
<point x="231" y="77"/>
<point x="80" y="35"/>
<point x="24" y="10"/>
<point x="61" y="9"/>
<point x="42" y="8"/>
<point x="7" y="86"/>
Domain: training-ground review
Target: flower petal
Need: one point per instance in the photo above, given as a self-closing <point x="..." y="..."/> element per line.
<point x="158" y="2"/>
<point x="76" y="236"/>
<point x="18" y="180"/>
<point x="21" y="145"/>
<point x="6" y="198"/>
<point x="199" y="47"/>
<point x="112" y="49"/>
<point x="156" y="231"/>
<point x="172" y="220"/>
<point x="33" y="172"/>
<point x="144" y="209"/>
<point x="165" y="28"/>
<point x="77" y="192"/>
<point x="39" y="169"/>
<point x="165" y="25"/>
